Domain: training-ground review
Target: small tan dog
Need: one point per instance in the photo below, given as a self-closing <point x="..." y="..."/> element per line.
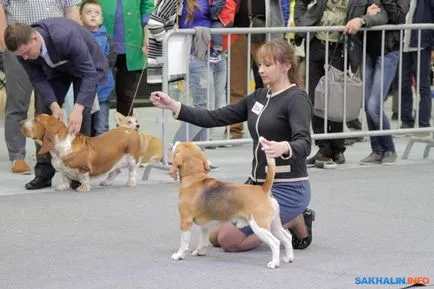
<point x="153" y="146"/>
<point x="203" y="199"/>
<point x="78" y="157"/>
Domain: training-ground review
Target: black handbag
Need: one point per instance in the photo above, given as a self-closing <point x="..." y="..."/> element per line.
<point x="256" y="21"/>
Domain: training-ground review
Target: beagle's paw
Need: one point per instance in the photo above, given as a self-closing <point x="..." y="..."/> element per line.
<point x="178" y="256"/>
<point x="273" y="265"/>
<point x="200" y="251"/>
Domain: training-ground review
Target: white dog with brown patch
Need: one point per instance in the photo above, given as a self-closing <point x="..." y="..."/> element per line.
<point x="203" y="199"/>
<point x="78" y="157"/>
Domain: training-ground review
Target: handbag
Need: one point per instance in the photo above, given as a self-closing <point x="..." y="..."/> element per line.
<point x="331" y="88"/>
<point x="255" y="21"/>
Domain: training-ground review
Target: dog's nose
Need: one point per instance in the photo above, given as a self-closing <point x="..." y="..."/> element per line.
<point x="137" y="126"/>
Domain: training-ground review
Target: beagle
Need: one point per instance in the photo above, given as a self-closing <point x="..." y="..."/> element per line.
<point x="203" y="199"/>
<point x="78" y="157"/>
<point x="153" y="146"/>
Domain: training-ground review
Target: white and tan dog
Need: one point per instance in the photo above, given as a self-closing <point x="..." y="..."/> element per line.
<point x="203" y="199"/>
<point x="152" y="146"/>
<point x="78" y="157"/>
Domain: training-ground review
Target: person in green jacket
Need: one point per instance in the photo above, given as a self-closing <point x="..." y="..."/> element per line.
<point x="125" y="21"/>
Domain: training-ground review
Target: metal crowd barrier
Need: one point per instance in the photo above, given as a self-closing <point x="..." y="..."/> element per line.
<point x="184" y="36"/>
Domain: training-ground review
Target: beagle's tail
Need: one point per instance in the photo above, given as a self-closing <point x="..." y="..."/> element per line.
<point x="269" y="178"/>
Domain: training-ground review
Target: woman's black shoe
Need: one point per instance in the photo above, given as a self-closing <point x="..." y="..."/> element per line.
<point x="301" y="244"/>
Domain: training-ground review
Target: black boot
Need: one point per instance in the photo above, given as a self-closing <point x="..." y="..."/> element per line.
<point x="301" y="244"/>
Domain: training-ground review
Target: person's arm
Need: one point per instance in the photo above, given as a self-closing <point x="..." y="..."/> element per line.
<point x="300" y="10"/>
<point x="72" y="12"/>
<point x="299" y="116"/>
<point x="146" y="9"/>
<point x="78" y="55"/>
<point x="159" y="17"/>
<point x="112" y="55"/>
<point x="394" y="11"/>
<point x="3" y="24"/>
<point x="229" y="114"/>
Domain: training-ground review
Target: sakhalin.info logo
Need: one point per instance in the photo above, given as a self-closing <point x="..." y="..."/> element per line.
<point x="376" y="280"/>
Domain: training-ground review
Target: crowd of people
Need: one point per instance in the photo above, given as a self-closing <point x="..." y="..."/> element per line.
<point x="79" y="43"/>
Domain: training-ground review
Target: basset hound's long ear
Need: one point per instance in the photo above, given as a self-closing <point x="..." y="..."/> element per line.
<point x="51" y="127"/>
<point x="47" y="143"/>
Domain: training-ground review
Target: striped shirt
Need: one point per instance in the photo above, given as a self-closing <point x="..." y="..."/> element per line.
<point x="30" y="11"/>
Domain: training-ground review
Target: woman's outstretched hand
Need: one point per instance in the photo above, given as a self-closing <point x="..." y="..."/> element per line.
<point x="162" y="100"/>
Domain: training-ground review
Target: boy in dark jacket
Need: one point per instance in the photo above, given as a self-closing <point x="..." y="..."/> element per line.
<point x="91" y="16"/>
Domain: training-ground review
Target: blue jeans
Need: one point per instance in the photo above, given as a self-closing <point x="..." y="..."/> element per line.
<point x="409" y="70"/>
<point x="100" y="119"/>
<point x="374" y="97"/>
<point x="198" y="83"/>
<point x="217" y="39"/>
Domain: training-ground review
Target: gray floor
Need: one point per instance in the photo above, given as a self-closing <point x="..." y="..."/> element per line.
<point x="372" y="221"/>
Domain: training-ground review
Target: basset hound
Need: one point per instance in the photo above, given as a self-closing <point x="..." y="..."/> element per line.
<point x="78" y="157"/>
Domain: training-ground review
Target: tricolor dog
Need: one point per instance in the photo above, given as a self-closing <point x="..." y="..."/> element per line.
<point x="203" y="199"/>
<point x="78" y="157"/>
<point x="152" y="146"/>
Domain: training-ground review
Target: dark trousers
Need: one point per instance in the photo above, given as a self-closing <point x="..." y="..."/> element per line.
<point x="409" y="70"/>
<point x="317" y="59"/>
<point x="60" y="87"/>
<point x="126" y="85"/>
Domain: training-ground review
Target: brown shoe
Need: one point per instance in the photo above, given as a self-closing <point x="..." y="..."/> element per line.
<point x="324" y="162"/>
<point x="21" y="167"/>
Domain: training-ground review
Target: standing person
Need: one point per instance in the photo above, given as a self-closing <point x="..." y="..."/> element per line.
<point x="281" y="114"/>
<point x="377" y="82"/>
<point x="329" y="13"/>
<point x="91" y="16"/>
<point x="56" y="53"/>
<point x="126" y="22"/>
<point x="239" y="57"/>
<point x="196" y="14"/>
<point x="18" y="87"/>
<point x="162" y="20"/>
<point x="421" y="11"/>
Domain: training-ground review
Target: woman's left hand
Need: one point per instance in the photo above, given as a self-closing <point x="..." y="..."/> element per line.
<point x="274" y="149"/>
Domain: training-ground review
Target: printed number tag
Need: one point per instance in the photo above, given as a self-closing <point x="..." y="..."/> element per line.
<point x="257" y="108"/>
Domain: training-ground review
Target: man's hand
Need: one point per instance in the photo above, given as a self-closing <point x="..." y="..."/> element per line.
<point x="56" y="111"/>
<point x="353" y="26"/>
<point x="75" y="119"/>
<point x="373" y="9"/>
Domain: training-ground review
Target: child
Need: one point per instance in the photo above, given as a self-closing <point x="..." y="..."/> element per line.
<point x="222" y="15"/>
<point x="91" y="16"/>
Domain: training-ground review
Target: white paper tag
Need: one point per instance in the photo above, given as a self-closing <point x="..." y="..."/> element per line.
<point x="257" y="108"/>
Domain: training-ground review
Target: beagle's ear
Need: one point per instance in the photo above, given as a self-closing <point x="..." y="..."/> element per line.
<point x="176" y="163"/>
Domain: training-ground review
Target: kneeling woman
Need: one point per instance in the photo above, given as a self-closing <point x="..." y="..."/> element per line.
<point x="281" y="114"/>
